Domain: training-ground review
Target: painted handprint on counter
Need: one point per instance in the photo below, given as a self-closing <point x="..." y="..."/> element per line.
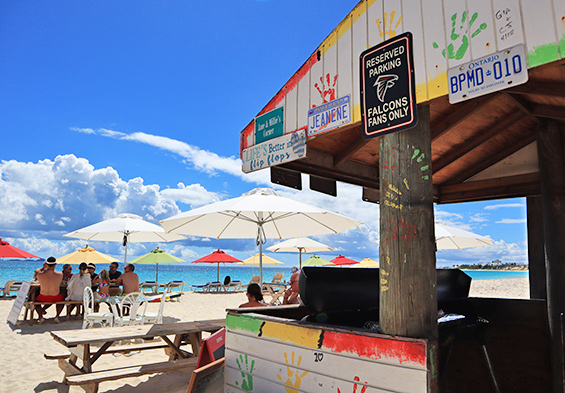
<point x="246" y="369"/>
<point x="355" y="386"/>
<point x="459" y="40"/>
<point x="292" y="374"/>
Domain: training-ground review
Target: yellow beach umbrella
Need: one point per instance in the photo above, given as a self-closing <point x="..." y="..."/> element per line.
<point x="86" y="254"/>
<point x="367" y="262"/>
<point x="254" y="260"/>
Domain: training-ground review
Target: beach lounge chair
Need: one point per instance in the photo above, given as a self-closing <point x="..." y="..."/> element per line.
<point x="172" y="285"/>
<point x="213" y="286"/>
<point x="11" y="286"/>
<point x="151" y="285"/>
<point x="277" y="278"/>
<point x="234" y="284"/>
<point x="254" y="280"/>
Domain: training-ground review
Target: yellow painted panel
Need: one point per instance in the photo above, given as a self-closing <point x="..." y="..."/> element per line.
<point x="437" y="86"/>
<point x="306" y="337"/>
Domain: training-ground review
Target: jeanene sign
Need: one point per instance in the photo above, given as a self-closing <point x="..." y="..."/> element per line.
<point x="388" y="93"/>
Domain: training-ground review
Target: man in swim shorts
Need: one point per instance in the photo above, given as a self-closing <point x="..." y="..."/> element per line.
<point x="49" y="289"/>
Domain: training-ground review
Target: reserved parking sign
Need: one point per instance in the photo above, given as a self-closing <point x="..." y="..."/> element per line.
<point x="388" y="92"/>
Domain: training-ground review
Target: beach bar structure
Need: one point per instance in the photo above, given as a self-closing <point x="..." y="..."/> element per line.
<point x="421" y="102"/>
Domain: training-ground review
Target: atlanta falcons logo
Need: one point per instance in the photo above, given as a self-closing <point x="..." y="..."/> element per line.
<point x="382" y="83"/>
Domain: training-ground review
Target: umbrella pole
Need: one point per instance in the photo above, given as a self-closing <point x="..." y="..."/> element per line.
<point x="126" y="255"/>
<point x="261" y="261"/>
<point x="157" y="274"/>
<point x="218" y="273"/>
<point x="300" y="251"/>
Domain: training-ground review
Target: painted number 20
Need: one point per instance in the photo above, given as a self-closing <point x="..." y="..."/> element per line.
<point x="318" y="356"/>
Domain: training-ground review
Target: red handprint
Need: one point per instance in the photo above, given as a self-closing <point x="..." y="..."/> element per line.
<point x="363" y="389"/>
<point x="330" y="92"/>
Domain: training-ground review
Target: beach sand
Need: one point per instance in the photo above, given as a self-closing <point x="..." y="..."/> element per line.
<point x="24" y="368"/>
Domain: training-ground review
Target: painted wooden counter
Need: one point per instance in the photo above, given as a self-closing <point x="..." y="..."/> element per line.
<point x="270" y="354"/>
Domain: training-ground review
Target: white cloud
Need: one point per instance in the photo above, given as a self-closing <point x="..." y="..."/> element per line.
<point x="68" y="193"/>
<point x="202" y="160"/>
<point x="512" y="221"/>
<point x="83" y="130"/>
<point x="504" y="205"/>
<point x="479" y="218"/>
<point x="194" y="195"/>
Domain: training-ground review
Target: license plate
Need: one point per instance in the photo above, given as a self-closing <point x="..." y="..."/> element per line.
<point x="498" y="71"/>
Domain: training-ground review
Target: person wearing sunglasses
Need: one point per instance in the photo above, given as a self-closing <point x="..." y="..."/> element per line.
<point x="291" y="295"/>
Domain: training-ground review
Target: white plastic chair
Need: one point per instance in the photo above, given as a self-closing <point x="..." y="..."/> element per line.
<point x="152" y="317"/>
<point x="91" y="317"/>
<point x="136" y="304"/>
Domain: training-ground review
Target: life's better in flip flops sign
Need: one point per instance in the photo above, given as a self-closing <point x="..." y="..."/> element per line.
<point x="388" y="93"/>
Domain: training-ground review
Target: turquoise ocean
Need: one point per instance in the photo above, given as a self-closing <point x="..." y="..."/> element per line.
<point x="196" y="274"/>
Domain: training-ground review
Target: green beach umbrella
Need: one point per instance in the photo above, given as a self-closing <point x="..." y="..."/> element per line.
<point x="156" y="256"/>
<point x="315" y="260"/>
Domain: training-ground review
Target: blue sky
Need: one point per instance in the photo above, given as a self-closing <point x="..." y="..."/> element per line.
<point x="111" y="107"/>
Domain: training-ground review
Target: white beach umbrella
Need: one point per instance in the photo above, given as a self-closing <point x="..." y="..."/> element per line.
<point x="260" y="214"/>
<point x="300" y="245"/>
<point x="126" y="228"/>
<point x="448" y="237"/>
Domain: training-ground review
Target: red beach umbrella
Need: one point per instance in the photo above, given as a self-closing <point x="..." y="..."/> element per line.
<point x="217" y="257"/>
<point x="341" y="260"/>
<point x="7" y="251"/>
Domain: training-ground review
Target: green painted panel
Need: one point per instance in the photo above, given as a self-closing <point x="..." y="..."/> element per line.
<point x="543" y="54"/>
<point x="244" y="322"/>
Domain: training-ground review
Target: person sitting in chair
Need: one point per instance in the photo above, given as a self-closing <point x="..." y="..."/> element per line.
<point x="49" y="289"/>
<point x="76" y="285"/>
<point x="129" y="279"/>
<point x="254" y="297"/>
<point x="291" y="295"/>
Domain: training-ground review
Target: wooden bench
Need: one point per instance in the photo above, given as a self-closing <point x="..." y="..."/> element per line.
<point x="30" y="307"/>
<point x="92" y="379"/>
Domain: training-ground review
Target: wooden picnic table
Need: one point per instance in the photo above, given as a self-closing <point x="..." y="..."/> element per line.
<point x="80" y="343"/>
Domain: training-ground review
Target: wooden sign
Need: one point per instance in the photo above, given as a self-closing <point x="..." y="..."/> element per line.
<point x="18" y="303"/>
<point x="208" y="379"/>
<point x="213" y="348"/>
<point x="388" y="95"/>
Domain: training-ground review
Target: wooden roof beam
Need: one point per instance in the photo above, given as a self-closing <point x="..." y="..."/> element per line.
<point x="504" y="187"/>
<point x="320" y="163"/>
<point x="345" y="153"/>
<point x="464" y="148"/>
<point x="522" y="104"/>
<point x="460" y="115"/>
<point x="550" y="112"/>
<point x="545" y="89"/>
<point x="493" y="159"/>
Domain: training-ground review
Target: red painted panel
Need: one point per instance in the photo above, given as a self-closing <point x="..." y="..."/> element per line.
<point x="405" y="352"/>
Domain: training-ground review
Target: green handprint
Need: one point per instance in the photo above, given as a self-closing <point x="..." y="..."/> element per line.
<point x="459" y="37"/>
<point x="247" y="383"/>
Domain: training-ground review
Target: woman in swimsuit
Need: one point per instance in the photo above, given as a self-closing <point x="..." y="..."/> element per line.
<point x="103" y="282"/>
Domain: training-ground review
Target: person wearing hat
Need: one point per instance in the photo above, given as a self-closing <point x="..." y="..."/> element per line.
<point x="77" y="283"/>
<point x="93" y="276"/>
<point x="49" y="289"/>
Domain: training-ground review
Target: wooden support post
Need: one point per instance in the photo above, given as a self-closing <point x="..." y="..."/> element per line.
<point x="552" y="180"/>
<point x="408" y="294"/>
<point x="536" y="248"/>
